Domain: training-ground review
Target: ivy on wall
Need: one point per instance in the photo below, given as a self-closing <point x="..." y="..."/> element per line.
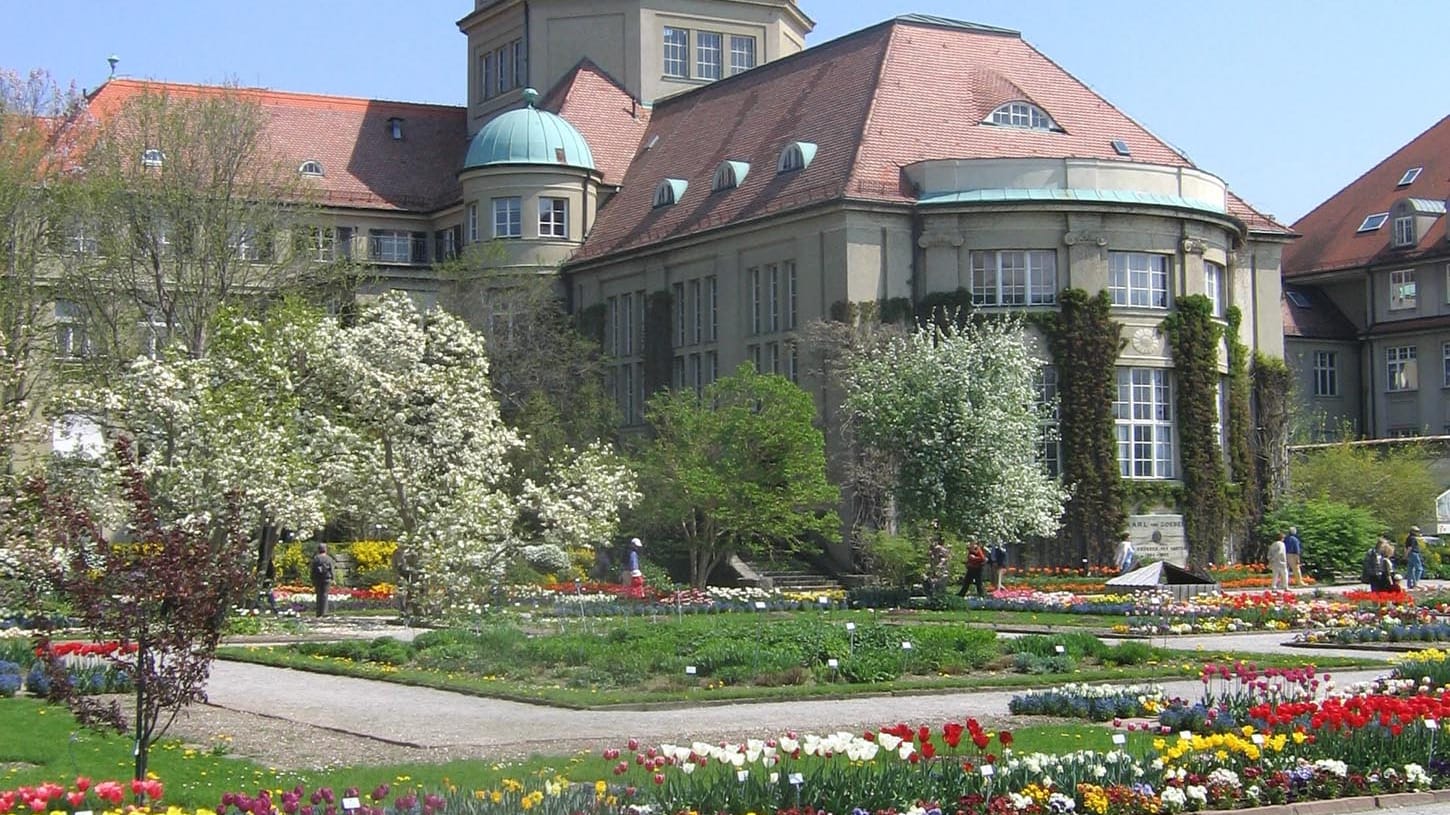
<point x="1194" y="336"/>
<point x="658" y="353"/>
<point x="1272" y="385"/>
<point x="590" y="322"/>
<point x="1250" y="507"/>
<point x="1085" y="343"/>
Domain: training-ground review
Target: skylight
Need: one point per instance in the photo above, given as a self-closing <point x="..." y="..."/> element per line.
<point x="1121" y="148"/>
<point x="152" y="158"/>
<point x="1409" y="177"/>
<point x="1373" y="222"/>
<point x="1022" y="114"/>
<point x="1297" y="298"/>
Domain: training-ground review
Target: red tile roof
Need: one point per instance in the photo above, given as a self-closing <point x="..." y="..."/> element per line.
<point x="363" y="166"/>
<point x="1321" y="319"/>
<point x="611" y="120"/>
<point x="1330" y="238"/>
<point x="874" y="102"/>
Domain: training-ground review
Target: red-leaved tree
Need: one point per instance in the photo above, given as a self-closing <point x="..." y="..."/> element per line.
<point x="164" y="594"/>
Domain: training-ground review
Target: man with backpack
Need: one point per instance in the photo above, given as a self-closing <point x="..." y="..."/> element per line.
<point x="321" y="570"/>
<point x="998" y="556"/>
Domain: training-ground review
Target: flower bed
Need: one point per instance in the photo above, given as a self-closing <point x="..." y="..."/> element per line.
<point x="1097" y="703"/>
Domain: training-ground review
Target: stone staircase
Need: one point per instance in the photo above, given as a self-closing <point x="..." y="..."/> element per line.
<point x="789" y="575"/>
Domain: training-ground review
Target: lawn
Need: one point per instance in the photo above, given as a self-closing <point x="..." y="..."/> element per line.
<point x="57" y="749"/>
<point x="733" y="657"/>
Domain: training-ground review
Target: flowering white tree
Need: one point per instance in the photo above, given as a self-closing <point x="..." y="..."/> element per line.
<point x="432" y="455"/>
<point x="956" y="410"/>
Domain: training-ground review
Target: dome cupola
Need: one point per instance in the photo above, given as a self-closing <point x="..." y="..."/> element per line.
<point x="529" y="136"/>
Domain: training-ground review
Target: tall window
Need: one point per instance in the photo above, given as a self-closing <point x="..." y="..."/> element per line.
<point x="521" y="62"/>
<point x="1049" y="449"/>
<point x="773" y="297"/>
<point x="70" y="330"/>
<point x="677" y="52"/>
<point x="742" y="53"/>
<point x="772" y="357"/>
<point x="625" y="341"/>
<point x="1014" y="278"/>
<point x="485" y="74"/>
<point x="553" y="218"/>
<point x="755" y="325"/>
<point x="317" y="243"/>
<point x="1445" y="354"/>
<point x="1213" y="280"/>
<point x="473" y="222"/>
<point x="792" y="362"/>
<point x="696" y="307"/>
<point x="1138" y="279"/>
<point x="611" y="332"/>
<point x="1402" y="372"/>
<point x="1402" y="289"/>
<point x="678" y="292"/>
<point x="1326" y="373"/>
<point x="790" y="294"/>
<point x="712" y="366"/>
<point x="712" y="296"/>
<point x="1143" y="413"/>
<point x="507" y="217"/>
<point x="707" y="54"/>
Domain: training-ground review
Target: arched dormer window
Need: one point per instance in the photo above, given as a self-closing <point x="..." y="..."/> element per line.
<point x="729" y="175"/>
<point x="670" y="191"/>
<point x="1024" y="115"/>
<point x="152" y="157"/>
<point x="311" y="167"/>
<point x="796" y="156"/>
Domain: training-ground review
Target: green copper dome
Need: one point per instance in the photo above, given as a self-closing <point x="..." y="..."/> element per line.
<point x="528" y="136"/>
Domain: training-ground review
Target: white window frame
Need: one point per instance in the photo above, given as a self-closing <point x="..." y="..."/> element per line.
<point x="1402" y="370"/>
<point x="1139" y="279"/>
<point x="1373" y="221"/>
<point x="742" y="53"/>
<point x="755" y="302"/>
<point x="311" y="167"/>
<point x="1409" y="177"/>
<point x="71" y="341"/>
<point x="772" y="297"/>
<point x="994" y="281"/>
<point x="508" y="217"/>
<point x="383" y="245"/>
<point x="791" y="296"/>
<point x="1326" y="374"/>
<point x="675" y="59"/>
<point x="473" y="222"/>
<point x="1214" y="278"/>
<point x="1402" y="281"/>
<point x="712" y="292"/>
<point x="696" y="327"/>
<point x="1023" y="115"/>
<point x="152" y="157"/>
<point x="488" y="72"/>
<point x="1405" y="230"/>
<point x="709" y="44"/>
<point x="1143" y="418"/>
<point x="1049" y="445"/>
<point x="1445" y="356"/>
<point x="553" y="217"/>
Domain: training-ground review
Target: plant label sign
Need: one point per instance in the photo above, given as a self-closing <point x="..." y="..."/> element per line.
<point x="351" y="803"/>
<point x="1258" y="739"/>
<point x="690" y="670"/>
<point x="797" y="779"/>
<point x="833" y="663"/>
<point x="1430" y="724"/>
<point x="760" y="605"/>
<point x="1186" y="735"/>
<point x="987" y="770"/>
<point x="823" y="600"/>
<point x="1060" y="649"/>
<point x="906" y="646"/>
<point x="1119" y="739"/>
<point x="850" y="626"/>
<point x="742" y="775"/>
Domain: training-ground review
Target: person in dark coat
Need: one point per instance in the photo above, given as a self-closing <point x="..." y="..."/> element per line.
<point x="321" y="570"/>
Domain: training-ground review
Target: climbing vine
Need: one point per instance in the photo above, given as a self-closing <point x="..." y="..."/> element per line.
<point x="1194" y="337"/>
<point x="590" y="322"/>
<point x="1249" y="507"/>
<point x="1272" y="385"/>
<point x="658" y="351"/>
<point x="1085" y="344"/>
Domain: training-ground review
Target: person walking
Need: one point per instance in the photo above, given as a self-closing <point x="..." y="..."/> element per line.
<point x="1293" y="548"/>
<point x="976" y="561"/>
<point x="321" y="570"/>
<point x="1126" y="555"/>
<point x="1414" y="558"/>
<point x="999" y="562"/>
<point x="633" y="577"/>
<point x="1384" y="568"/>
<point x="1278" y="564"/>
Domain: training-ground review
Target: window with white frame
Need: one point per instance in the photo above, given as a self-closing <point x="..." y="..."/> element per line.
<point x="625" y="340"/>
<point x="708" y="54"/>
<point x="772" y="357"/>
<point x="553" y="217"/>
<point x="1049" y="449"/>
<point x="1326" y="373"/>
<point x="696" y="307"/>
<point x="752" y="353"/>
<point x="81" y="239"/>
<point x="792" y="362"/>
<point x="1213" y="285"/>
<point x="678" y="292"/>
<point x="694" y="375"/>
<point x="1402" y="372"/>
<point x="1373" y="221"/>
<point x="1409" y="176"/>
<point x="70" y="330"/>
<point x="152" y="157"/>
<point x="755" y="302"/>
<point x="317" y="243"/>
<point x="508" y="217"/>
<point x="1138" y="279"/>
<point x="1405" y="230"/>
<point x="1022" y="114"/>
<point x="1220" y="414"/>
<point x="677" y="52"/>
<point x="791" y="308"/>
<point x="1402" y="289"/>
<point x="773" y="296"/>
<point x="742" y="53"/>
<point x="397" y="246"/>
<point x="473" y="222"/>
<point x="1445" y="356"/>
<point x="1014" y="278"/>
<point x="1143" y="413"/>
<point x="712" y="298"/>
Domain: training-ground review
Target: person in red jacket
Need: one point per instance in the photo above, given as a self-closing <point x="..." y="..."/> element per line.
<point x="976" y="562"/>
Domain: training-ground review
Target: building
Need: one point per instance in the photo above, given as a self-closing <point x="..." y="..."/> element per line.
<point x="705" y="187"/>
<point x="1367" y="299"/>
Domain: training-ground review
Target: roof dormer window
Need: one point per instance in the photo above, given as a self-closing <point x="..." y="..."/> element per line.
<point x="1405" y="230"/>
<point x="152" y="157"/>
<point x="1373" y="222"/>
<point x="311" y="167"/>
<point x="1409" y="177"/>
<point x="796" y="156"/>
<point x="729" y="175"/>
<point x="1022" y="114"/>
<point x="670" y="191"/>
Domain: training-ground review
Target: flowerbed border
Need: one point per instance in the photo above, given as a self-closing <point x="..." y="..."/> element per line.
<point x="1385" y="647"/>
<point x="1342" y="806"/>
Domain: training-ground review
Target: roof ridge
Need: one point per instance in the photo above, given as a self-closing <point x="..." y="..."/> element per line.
<point x="875" y="97"/>
<point x="262" y="95"/>
<point x="1402" y="148"/>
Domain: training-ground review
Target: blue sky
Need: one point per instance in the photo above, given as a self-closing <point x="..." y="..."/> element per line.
<point x="1289" y="100"/>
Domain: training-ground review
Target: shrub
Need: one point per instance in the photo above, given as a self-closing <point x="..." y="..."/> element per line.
<point x="389" y="651"/>
<point x="1076" y="645"/>
<point x="1336" y="536"/>
<point x="17" y="650"/>
<point x="9" y="679"/>
<point x="290" y="563"/>
<point x="1130" y="652"/>
<point x="897" y="559"/>
<point x="1391" y="484"/>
